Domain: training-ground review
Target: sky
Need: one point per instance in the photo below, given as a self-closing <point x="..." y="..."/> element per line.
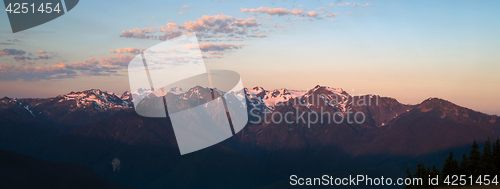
<point x="408" y="50"/>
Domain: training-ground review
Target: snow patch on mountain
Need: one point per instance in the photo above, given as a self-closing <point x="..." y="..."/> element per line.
<point x="142" y="93"/>
<point x="8" y="102"/>
<point x="334" y="97"/>
<point x="100" y="100"/>
<point x="176" y="90"/>
<point x="28" y="107"/>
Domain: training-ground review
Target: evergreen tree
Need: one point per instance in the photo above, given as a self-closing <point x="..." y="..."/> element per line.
<point x="435" y="171"/>
<point x="464" y="165"/>
<point x="486" y="165"/>
<point x="455" y="166"/>
<point x="474" y="158"/>
<point x="426" y="176"/>
<point x="419" y="172"/>
<point x="450" y="166"/>
<point x="496" y="155"/>
<point x="408" y="175"/>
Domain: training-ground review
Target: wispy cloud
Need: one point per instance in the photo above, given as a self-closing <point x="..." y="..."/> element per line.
<point x="277" y="26"/>
<point x="103" y="66"/>
<point x="21" y="58"/>
<point x="216" y="47"/>
<point x="296" y="19"/>
<point x="279" y="11"/>
<point x="35" y="73"/>
<point x="21" y="55"/>
<point x="44" y="56"/>
<point x="259" y="36"/>
<point x="143" y="33"/>
<point x="207" y="26"/>
<point x="344" y="4"/>
<point x="219" y="24"/>
<point x="126" y="50"/>
<point x="12" y="52"/>
<point x="331" y="14"/>
<point x="359" y="5"/>
<point x="216" y="50"/>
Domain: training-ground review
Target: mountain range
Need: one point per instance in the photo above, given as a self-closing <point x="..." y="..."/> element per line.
<point x="93" y="128"/>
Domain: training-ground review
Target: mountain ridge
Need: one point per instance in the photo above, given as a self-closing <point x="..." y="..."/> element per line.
<point x="392" y="133"/>
<point x="261" y="93"/>
<point x="267" y="100"/>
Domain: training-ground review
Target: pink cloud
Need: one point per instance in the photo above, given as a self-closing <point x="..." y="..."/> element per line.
<point x="273" y="11"/>
<point x="331" y="14"/>
<point x="244" y="23"/>
<point x="139" y="33"/>
<point x="344" y="4"/>
<point x="280" y="11"/>
<point x="216" y="47"/>
<point x="259" y="36"/>
<point x="277" y="26"/>
<point x="312" y="14"/>
<point x="103" y="66"/>
<point x="43" y="56"/>
<point x="127" y="50"/>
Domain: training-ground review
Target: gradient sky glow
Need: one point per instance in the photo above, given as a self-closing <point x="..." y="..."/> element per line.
<point x="409" y="50"/>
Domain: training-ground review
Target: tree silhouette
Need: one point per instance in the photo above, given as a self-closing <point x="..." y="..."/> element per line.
<point x="474" y="159"/>
<point x="408" y="175"/>
<point x="486" y="165"/>
<point x="496" y="155"/>
<point x="474" y="163"/>
<point x="435" y="171"/>
<point x="450" y="166"/>
<point x="422" y="172"/>
<point x="464" y="165"/>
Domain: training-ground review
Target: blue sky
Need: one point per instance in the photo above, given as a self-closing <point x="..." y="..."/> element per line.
<point x="409" y="50"/>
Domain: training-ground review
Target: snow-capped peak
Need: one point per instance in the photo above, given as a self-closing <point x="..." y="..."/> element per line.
<point x="96" y="98"/>
<point x="271" y="98"/>
<point x="176" y="90"/>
